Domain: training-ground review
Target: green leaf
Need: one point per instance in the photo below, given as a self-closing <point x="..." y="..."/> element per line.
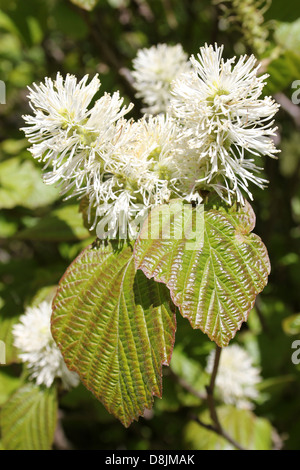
<point x="250" y="431"/>
<point x="85" y="4"/>
<point x="8" y="384"/>
<point x="13" y="147"/>
<point x="291" y="324"/>
<point x="15" y="287"/>
<point x="62" y="224"/>
<point x="191" y="373"/>
<point x="46" y="293"/>
<point x="28" y="418"/>
<point x="119" y="3"/>
<point x="211" y="262"/>
<point x="6" y="325"/>
<point x="115" y="328"/>
<point x="69" y="22"/>
<point x="288" y="35"/>
<point x="27" y="21"/>
<point x="282" y="72"/>
<point x="21" y="185"/>
<point x="8" y="226"/>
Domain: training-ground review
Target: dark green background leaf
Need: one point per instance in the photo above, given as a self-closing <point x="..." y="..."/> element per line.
<point x="28" y="418"/>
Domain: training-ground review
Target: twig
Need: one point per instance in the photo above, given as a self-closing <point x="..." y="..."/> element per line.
<point x="145" y="10"/>
<point x="222" y="433"/>
<point x="216" y="425"/>
<point x="260" y="315"/>
<point x="210" y="391"/>
<point x="289" y="107"/>
<point x="209" y="398"/>
<point x="186" y="385"/>
<point x="104" y="45"/>
<point x="61" y="442"/>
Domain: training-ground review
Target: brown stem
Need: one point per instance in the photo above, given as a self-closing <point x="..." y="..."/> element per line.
<point x="210" y="390"/>
<point x="216" y="426"/>
<point x="289" y="107"/>
<point x="186" y="385"/>
<point x="109" y="53"/>
<point x="211" y="427"/>
<point x="61" y="442"/>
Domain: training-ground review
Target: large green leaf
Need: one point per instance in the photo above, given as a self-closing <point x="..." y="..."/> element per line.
<point x="209" y="259"/>
<point x="28" y="418"/>
<point x="115" y="328"/>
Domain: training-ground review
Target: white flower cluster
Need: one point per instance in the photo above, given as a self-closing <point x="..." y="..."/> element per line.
<point x="237" y="377"/>
<point x="37" y="349"/>
<point x="204" y="116"/>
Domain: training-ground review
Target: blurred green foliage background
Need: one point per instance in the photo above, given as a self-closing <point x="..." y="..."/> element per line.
<point x="40" y="234"/>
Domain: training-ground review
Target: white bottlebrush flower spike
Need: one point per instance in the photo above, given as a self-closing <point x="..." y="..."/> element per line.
<point x="67" y="134"/>
<point x="237" y="377"/>
<point x="117" y="164"/>
<point x="216" y="122"/>
<point x="154" y="69"/>
<point x="143" y="175"/>
<point x="223" y="117"/>
<point x="37" y="349"/>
